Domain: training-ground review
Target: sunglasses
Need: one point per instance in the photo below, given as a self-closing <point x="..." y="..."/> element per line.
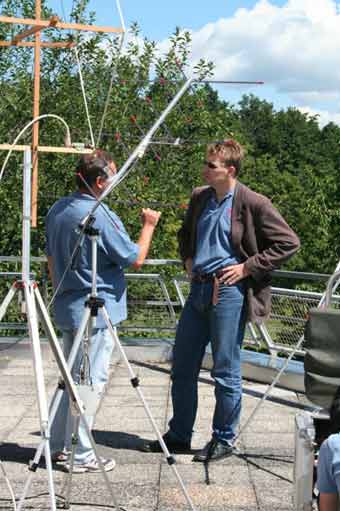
<point x="210" y="164"/>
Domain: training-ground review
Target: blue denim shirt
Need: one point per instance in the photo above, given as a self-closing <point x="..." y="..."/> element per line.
<point x="329" y="465"/>
<point x="115" y="252"/>
<point x="213" y="240"/>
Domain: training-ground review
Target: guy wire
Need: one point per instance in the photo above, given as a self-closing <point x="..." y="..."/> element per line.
<point x="114" y="72"/>
<point x="82" y="85"/>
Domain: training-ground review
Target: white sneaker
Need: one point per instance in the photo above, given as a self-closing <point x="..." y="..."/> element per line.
<point x="90" y="466"/>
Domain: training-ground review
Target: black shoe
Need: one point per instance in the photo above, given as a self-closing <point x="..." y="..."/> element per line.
<point x="174" y="446"/>
<point x="214" y="451"/>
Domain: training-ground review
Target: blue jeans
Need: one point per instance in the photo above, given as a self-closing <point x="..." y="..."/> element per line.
<point x="223" y="325"/>
<point x="100" y="351"/>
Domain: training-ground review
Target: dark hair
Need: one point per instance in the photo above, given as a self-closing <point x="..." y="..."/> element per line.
<point x="90" y="166"/>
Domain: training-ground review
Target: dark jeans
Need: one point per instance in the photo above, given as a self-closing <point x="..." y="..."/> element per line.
<point x="223" y="325"/>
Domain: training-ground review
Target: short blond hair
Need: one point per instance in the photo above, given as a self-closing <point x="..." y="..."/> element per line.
<point x="228" y="150"/>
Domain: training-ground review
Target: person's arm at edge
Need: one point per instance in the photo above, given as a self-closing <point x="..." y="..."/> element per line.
<point x="150" y="220"/>
<point x="326" y="481"/>
<point x="328" y="501"/>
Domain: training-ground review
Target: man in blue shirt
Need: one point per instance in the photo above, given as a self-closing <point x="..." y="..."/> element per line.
<point x="71" y="274"/>
<point x="230" y="240"/>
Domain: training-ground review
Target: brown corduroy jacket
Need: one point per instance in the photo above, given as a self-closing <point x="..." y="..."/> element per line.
<point x="259" y="235"/>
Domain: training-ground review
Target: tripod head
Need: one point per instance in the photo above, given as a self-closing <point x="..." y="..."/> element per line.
<point x="85" y="228"/>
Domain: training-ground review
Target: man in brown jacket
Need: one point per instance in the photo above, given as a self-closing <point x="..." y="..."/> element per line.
<point x="230" y="241"/>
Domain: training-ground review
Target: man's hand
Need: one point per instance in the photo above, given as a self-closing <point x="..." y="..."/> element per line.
<point x="232" y="274"/>
<point x="150" y="217"/>
<point x="150" y="220"/>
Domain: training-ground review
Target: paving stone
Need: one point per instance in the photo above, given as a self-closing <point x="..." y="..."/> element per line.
<point x="212" y="496"/>
<point x="258" y="479"/>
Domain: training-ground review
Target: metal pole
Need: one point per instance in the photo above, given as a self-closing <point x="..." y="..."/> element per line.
<point x="36" y="109"/>
<point x="331" y="288"/>
<point x="26" y="216"/>
<point x="142" y="146"/>
<point x="94" y="240"/>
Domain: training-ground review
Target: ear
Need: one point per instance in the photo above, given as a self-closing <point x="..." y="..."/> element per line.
<point x="99" y="182"/>
<point x="232" y="171"/>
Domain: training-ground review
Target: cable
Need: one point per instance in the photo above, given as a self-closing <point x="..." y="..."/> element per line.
<point x="114" y="72"/>
<point x="82" y="85"/>
<point x="107" y="101"/>
<point x="28" y="125"/>
<point x="63" y="9"/>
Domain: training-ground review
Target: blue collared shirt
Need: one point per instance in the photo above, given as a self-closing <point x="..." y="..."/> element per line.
<point x="115" y="252"/>
<point x="329" y="465"/>
<point x="213" y="238"/>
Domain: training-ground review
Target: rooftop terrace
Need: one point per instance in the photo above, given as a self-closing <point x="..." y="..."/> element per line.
<point x="260" y="477"/>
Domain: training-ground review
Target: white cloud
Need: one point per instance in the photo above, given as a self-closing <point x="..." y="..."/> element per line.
<point x="324" y="116"/>
<point x="293" y="48"/>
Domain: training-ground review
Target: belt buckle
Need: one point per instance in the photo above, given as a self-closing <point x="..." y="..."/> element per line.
<point x="208" y="277"/>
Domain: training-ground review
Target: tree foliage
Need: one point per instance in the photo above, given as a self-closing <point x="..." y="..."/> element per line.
<point x="289" y="157"/>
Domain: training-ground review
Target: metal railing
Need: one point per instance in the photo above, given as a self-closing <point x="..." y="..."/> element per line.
<point x="155" y="301"/>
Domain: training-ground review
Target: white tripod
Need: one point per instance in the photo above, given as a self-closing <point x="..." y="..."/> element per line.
<point x="31" y="292"/>
<point x="33" y="305"/>
<point x="93" y="306"/>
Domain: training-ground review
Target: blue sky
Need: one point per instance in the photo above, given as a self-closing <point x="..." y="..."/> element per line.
<point x="158" y="18"/>
<point x="293" y="45"/>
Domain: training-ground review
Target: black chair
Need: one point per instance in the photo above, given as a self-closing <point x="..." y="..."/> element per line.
<point x="322" y="344"/>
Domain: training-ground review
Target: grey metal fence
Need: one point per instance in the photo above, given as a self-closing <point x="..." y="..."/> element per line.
<point x="155" y="301"/>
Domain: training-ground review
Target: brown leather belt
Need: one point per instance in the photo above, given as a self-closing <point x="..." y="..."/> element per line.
<point x="209" y="277"/>
<point x="203" y="277"/>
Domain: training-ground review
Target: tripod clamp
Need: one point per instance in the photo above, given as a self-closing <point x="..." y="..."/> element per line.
<point x="89" y="230"/>
<point x="94" y="303"/>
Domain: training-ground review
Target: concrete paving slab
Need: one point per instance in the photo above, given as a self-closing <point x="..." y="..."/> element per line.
<point x="266" y="441"/>
<point x="260" y="480"/>
<point x="208" y="497"/>
<point x="139" y="411"/>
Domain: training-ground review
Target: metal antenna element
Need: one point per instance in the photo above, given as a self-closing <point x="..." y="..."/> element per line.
<point x="142" y="146"/>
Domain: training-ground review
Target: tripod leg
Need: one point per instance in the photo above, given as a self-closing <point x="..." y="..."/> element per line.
<point x="48" y="462"/>
<point x="32" y="469"/>
<point x="73" y="393"/>
<point x="40" y="387"/>
<point x="67" y="487"/>
<point x="56" y="398"/>
<point x="269" y="389"/>
<point x="10" y="489"/>
<point x="7" y="300"/>
<point x="52" y="337"/>
<point x="135" y="383"/>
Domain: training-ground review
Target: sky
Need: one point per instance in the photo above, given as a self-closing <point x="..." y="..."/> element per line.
<point x="292" y="45"/>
